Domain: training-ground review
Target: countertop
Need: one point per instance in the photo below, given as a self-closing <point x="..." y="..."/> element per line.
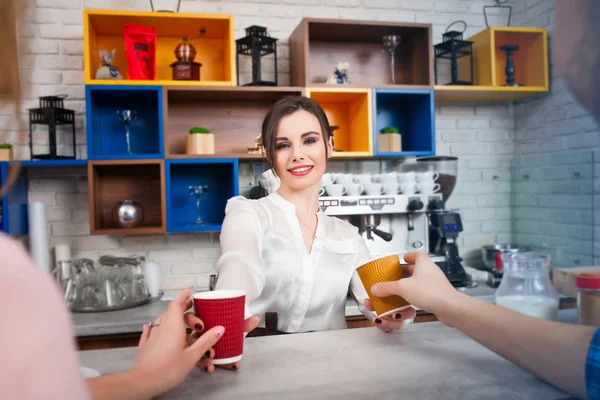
<point x="424" y="361"/>
<point x="131" y="320"/>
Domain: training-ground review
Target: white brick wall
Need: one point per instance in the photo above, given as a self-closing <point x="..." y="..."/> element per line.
<point x="555" y="144"/>
<point x="482" y="136"/>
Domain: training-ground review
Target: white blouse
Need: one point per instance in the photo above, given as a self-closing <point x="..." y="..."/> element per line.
<point x="263" y="253"/>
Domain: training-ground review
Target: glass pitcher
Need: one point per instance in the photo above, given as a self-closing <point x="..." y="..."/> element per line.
<point x="526" y="286"/>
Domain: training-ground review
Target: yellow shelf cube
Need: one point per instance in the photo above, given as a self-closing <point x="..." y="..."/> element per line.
<point x="489" y="64"/>
<point x="103" y="30"/>
<point x="351" y="110"/>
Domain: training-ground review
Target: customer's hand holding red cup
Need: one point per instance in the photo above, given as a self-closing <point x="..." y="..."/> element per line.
<point x="225" y="308"/>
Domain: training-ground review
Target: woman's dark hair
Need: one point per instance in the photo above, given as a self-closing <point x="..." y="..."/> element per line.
<point x="286" y="106"/>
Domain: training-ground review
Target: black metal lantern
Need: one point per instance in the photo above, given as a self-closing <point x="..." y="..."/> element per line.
<point x="497" y="4"/>
<point x="53" y="115"/>
<point x="453" y="48"/>
<point x="257" y="44"/>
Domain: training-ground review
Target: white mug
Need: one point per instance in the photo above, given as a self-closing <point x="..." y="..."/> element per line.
<point x="406" y="177"/>
<point x="344" y="179"/>
<point x="327" y="179"/>
<point x="427" y="176"/>
<point x="388" y="177"/>
<point x="363" y="178"/>
<point x="409" y="187"/>
<point x="336" y="189"/>
<point x="374" y="189"/>
<point x="355" y="189"/>
<point x="391" y="187"/>
<point x="429" y="187"/>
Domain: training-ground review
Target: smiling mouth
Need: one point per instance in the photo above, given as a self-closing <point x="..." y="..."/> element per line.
<point x="301" y="170"/>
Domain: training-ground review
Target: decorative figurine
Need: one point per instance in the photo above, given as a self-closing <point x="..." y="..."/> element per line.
<point x="185" y="68"/>
<point x="107" y="70"/>
<point x="340" y="76"/>
<point x="197" y="191"/>
<point x="258" y="146"/>
<point x="127" y="116"/>
<point x="510" y="64"/>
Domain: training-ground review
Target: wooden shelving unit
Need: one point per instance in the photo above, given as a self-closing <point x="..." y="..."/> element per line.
<point x="111" y="181"/>
<point x="220" y="175"/>
<point x="351" y="110"/>
<point x="234" y="115"/>
<point x="531" y="64"/>
<point x="316" y="46"/>
<point x="159" y="173"/>
<point x="103" y="30"/>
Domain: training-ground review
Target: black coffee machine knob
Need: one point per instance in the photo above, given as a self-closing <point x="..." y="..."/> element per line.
<point x="436" y="204"/>
<point x="415" y="205"/>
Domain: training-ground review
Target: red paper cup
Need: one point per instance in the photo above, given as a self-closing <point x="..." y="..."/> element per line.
<point x="225" y="308"/>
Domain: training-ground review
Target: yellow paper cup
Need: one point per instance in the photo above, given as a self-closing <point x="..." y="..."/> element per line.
<point x="383" y="269"/>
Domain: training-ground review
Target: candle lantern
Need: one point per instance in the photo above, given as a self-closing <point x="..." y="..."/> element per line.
<point x="166" y="4"/>
<point x="60" y="126"/>
<point x="498" y="4"/>
<point x="257" y="44"/>
<point x="460" y="54"/>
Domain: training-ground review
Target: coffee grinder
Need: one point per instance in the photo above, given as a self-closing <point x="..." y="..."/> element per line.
<point x="444" y="225"/>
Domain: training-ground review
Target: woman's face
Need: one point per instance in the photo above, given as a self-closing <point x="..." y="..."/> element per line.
<point x="300" y="155"/>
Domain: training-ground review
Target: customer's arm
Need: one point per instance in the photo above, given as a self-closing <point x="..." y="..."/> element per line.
<point x="555" y="352"/>
<point x="163" y="361"/>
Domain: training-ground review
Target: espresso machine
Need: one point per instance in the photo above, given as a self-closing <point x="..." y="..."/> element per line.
<point x="444" y="225"/>
<point x="390" y="224"/>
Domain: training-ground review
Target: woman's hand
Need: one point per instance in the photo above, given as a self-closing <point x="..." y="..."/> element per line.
<point x="205" y="363"/>
<point x="164" y="358"/>
<point x="394" y="321"/>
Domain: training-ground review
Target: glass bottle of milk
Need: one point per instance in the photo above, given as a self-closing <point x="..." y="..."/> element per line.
<point x="526" y="286"/>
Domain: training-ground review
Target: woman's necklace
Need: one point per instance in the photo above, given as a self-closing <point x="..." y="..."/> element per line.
<point x="313" y="232"/>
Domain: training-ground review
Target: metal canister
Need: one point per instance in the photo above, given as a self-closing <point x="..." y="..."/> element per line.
<point x="588" y="298"/>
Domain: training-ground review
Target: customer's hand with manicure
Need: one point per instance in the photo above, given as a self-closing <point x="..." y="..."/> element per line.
<point x="205" y="363"/>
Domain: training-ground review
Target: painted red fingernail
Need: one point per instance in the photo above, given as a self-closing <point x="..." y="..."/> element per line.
<point x="207" y="354"/>
<point x="377" y="321"/>
<point x="199" y="327"/>
<point x="234" y="367"/>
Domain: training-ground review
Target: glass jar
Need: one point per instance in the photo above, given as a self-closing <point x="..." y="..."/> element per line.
<point x="526" y="286"/>
<point x="588" y="298"/>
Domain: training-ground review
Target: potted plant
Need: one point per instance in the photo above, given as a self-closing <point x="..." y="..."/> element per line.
<point x="6" y="152"/>
<point x="200" y="141"/>
<point x="389" y="140"/>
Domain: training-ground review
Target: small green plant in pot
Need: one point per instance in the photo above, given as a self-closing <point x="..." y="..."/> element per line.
<point x="6" y="151"/>
<point x="389" y="140"/>
<point x="200" y="141"/>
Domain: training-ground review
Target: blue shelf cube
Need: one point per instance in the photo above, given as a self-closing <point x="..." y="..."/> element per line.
<point x="220" y="175"/>
<point x="14" y="203"/>
<point x="106" y="136"/>
<point x="413" y="113"/>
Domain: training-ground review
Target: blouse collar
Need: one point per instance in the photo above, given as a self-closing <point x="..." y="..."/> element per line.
<point x="284" y="204"/>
